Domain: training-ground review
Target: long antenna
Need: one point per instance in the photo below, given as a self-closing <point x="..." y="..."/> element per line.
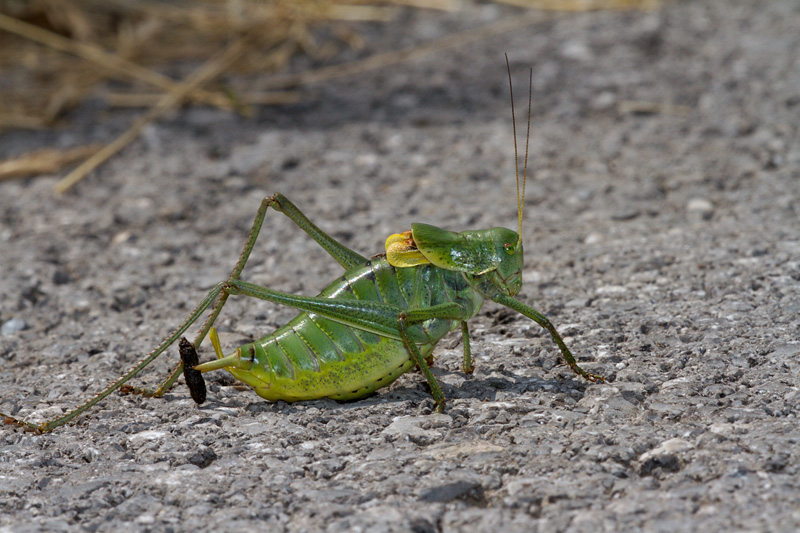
<point x="520" y="198"/>
<point x="516" y="153"/>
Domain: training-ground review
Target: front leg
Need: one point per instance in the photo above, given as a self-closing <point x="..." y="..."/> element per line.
<point x="542" y="320"/>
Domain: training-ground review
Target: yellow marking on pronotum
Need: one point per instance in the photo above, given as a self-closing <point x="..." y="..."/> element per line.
<point x="402" y="251"/>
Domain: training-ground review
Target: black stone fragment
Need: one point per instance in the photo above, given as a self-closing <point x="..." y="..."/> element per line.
<point x="471" y="493"/>
<point x="194" y="378"/>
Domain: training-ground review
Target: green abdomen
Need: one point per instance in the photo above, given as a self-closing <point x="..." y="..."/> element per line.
<point x="315" y="357"/>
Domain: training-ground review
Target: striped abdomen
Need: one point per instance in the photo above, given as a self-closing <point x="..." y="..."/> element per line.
<point x="315" y="357"/>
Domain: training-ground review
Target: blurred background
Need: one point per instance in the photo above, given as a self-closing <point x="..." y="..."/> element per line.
<point x="68" y="61"/>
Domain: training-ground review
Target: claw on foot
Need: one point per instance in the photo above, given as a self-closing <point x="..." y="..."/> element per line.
<point x="25" y="426"/>
<point x="594" y="378"/>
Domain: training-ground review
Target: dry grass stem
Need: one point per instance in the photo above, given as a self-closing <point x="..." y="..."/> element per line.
<point x="584" y="5"/>
<point x="46" y="161"/>
<point x="439" y="5"/>
<point x="360" y="13"/>
<point x="635" y="106"/>
<point x="246" y="98"/>
<point x="112" y="62"/>
<point x="25" y="122"/>
<point x="204" y="74"/>
<point x="389" y="58"/>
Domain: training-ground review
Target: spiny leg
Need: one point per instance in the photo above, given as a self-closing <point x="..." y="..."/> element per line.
<point x="416" y="356"/>
<point x="343" y="255"/>
<point x="429" y="360"/>
<point x="217" y="297"/>
<point x="451" y="311"/>
<point x="542" y="320"/>
<point x="376" y="317"/>
<point x="255" y="228"/>
<point x="166" y="343"/>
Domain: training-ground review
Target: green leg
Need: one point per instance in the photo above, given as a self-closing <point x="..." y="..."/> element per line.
<point x="217" y="296"/>
<point x="52" y="424"/>
<point x="542" y="320"/>
<point x="343" y="255"/>
<point x="467" y="366"/>
<point x="176" y="373"/>
<point x="377" y="317"/>
<point x="416" y="356"/>
<point x="451" y="311"/>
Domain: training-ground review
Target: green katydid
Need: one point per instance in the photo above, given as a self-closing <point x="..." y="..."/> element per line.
<point x="380" y="319"/>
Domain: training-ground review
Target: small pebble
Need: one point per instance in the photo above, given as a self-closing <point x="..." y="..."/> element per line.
<point x="576" y="50"/>
<point x="701" y="206"/>
<point x="625" y="214"/>
<point x="13" y="326"/>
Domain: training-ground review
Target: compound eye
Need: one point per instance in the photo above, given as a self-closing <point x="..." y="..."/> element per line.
<point x="510" y="249"/>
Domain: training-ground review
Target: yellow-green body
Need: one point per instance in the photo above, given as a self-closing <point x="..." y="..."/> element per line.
<point x="317" y="357"/>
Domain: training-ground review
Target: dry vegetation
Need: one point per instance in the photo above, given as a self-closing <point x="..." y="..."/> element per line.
<point x="232" y="54"/>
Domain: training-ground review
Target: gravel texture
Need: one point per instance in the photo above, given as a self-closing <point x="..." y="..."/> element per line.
<point x="665" y="247"/>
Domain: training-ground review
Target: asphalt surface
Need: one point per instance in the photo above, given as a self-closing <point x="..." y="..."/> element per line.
<point x="662" y="239"/>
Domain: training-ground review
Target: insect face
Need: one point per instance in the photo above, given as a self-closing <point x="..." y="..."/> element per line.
<point x="508" y="274"/>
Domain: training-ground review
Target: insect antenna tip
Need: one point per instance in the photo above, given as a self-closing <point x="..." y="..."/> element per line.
<point x="520" y="196"/>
